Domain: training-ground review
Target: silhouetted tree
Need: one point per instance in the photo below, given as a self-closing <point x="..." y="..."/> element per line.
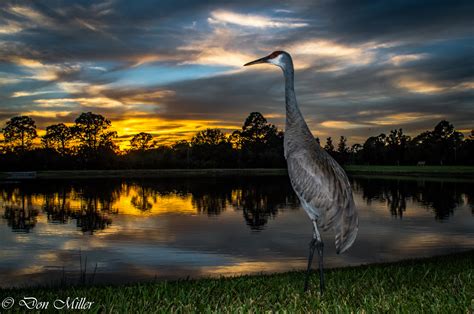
<point x="466" y="152"/>
<point x="142" y="141"/>
<point x="210" y="137"/>
<point x="58" y="137"/>
<point x="356" y="148"/>
<point x="329" y="147"/>
<point x="342" y="150"/>
<point x="236" y="139"/>
<point x="421" y="147"/>
<point x="92" y="130"/>
<point x="3" y="148"/>
<point x="256" y="129"/>
<point x="342" y="146"/>
<point x="210" y="148"/>
<point x="182" y="153"/>
<point x="355" y="153"/>
<point x="396" y="144"/>
<point x="96" y="145"/>
<point x="19" y="133"/>
<point x="261" y="143"/>
<point x="447" y="141"/>
<point x="439" y="146"/>
<point x="374" y="149"/>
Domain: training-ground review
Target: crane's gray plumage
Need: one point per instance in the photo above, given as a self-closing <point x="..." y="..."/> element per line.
<point x="318" y="180"/>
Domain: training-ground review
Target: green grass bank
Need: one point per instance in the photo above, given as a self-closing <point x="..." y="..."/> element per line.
<point x="461" y="171"/>
<point x="443" y="284"/>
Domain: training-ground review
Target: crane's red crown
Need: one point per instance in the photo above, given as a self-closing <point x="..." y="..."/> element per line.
<point x="275" y="54"/>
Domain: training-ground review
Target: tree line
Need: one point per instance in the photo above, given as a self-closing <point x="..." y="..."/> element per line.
<point x="90" y="144"/>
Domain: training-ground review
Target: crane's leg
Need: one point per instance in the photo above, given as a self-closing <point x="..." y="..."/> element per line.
<point x="316" y="243"/>
<point x="312" y="246"/>
<point x="320" y="247"/>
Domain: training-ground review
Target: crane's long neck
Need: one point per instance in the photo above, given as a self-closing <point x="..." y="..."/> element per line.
<point x="294" y="118"/>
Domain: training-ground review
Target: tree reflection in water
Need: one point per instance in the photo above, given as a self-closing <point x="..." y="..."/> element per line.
<point x="255" y="197"/>
<point x="440" y="196"/>
<point x="211" y="196"/>
<point x="92" y="204"/>
<point x="260" y="201"/>
<point x="96" y="205"/>
<point x="21" y="218"/>
<point x="142" y="201"/>
<point x="57" y="207"/>
<point x="19" y="211"/>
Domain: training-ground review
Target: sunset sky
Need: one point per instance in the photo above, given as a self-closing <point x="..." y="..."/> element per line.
<point x="172" y="68"/>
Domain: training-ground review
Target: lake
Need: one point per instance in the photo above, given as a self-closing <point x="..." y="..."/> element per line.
<point x="120" y="231"/>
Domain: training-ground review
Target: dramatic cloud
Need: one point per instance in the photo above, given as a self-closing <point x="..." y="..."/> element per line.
<point x="173" y="69"/>
<point x="251" y="20"/>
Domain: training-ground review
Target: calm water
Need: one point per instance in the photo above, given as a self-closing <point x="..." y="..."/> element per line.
<point x="136" y="230"/>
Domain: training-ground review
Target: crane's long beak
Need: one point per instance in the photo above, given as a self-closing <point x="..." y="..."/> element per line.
<point x="261" y="60"/>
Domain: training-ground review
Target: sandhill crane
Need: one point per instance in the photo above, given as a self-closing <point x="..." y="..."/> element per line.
<point x="318" y="180"/>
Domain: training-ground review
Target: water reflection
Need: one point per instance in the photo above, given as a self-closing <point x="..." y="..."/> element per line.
<point x="20" y="217"/>
<point x="214" y="226"/>
<point x="144" y="198"/>
<point x="439" y="196"/>
<point x="93" y="204"/>
<point x="57" y="207"/>
<point x="259" y="202"/>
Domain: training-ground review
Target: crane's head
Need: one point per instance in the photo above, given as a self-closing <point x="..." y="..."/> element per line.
<point x="278" y="58"/>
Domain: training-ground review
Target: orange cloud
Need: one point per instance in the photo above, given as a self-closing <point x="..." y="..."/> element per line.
<point x="10" y="27"/>
<point x="419" y="86"/>
<point x="407" y="117"/>
<point x="342" y="125"/>
<point x="400" y="59"/>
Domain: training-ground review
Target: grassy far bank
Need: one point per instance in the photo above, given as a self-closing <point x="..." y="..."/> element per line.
<point x="458" y="171"/>
<point x="440" y="284"/>
<point x="412" y="170"/>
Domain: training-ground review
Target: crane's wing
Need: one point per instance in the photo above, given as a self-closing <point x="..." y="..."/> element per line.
<point x="324" y="189"/>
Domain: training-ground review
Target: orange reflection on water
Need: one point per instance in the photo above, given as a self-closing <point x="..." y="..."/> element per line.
<point x="142" y="201"/>
<point x="252" y="267"/>
<point x="129" y="199"/>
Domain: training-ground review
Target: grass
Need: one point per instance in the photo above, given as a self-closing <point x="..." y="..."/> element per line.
<point x="442" y="284"/>
<point x="458" y="171"/>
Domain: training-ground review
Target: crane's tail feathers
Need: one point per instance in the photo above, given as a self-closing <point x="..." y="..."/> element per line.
<point x="346" y="232"/>
<point x="348" y="243"/>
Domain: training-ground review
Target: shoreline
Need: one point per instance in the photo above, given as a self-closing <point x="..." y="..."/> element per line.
<point x="465" y="172"/>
